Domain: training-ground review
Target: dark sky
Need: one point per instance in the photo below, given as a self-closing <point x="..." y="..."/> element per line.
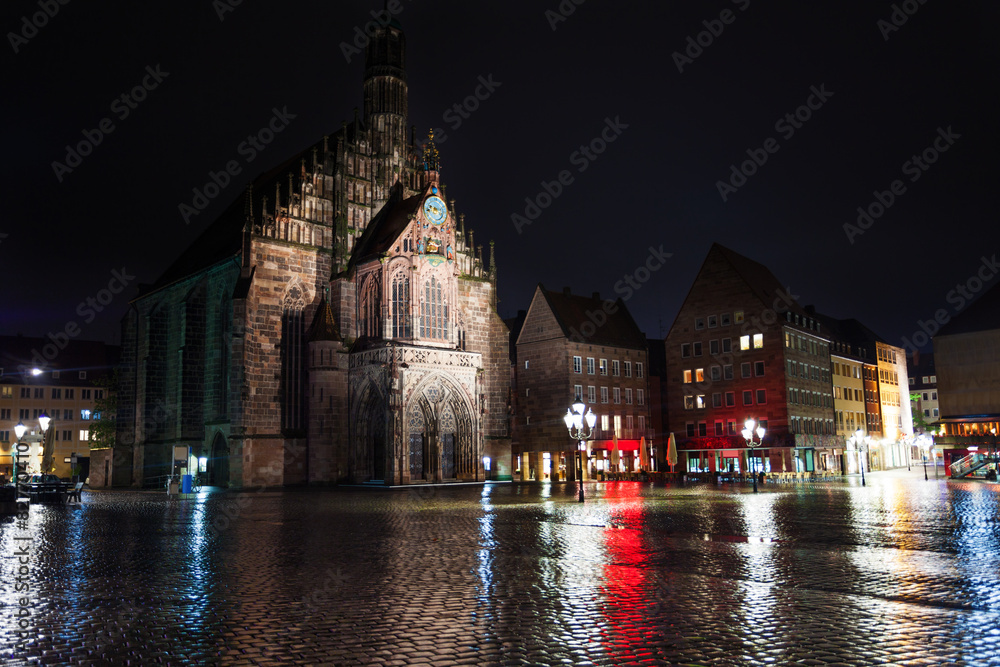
<point x="655" y="185"/>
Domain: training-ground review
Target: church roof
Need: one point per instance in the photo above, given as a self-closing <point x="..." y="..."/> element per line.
<point x="760" y="280"/>
<point x="574" y="312"/>
<point x="386" y="227"/>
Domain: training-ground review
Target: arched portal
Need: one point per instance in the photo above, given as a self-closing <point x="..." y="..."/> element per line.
<point x="418" y="439"/>
<point x="370" y="442"/>
<point x="449" y="436"/>
<point x="218" y="462"/>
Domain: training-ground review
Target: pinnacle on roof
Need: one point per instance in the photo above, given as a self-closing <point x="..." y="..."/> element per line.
<point x="432" y="161"/>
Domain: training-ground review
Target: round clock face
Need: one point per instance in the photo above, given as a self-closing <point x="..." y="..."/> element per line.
<point x="435" y="210"/>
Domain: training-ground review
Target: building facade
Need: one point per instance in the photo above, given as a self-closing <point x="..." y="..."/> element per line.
<point x="742" y="348"/>
<point x="967" y="360"/>
<point x="66" y="386"/>
<point x="336" y="325"/>
<point x="575" y="348"/>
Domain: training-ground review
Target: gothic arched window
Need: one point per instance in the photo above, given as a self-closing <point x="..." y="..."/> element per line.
<point x="433" y="311"/>
<point x="401" y="306"/>
<point x="369" y="317"/>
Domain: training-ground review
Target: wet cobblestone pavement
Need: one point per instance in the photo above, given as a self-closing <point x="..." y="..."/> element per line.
<point x="901" y="572"/>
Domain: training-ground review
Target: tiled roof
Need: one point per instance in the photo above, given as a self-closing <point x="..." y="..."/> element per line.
<point x="385" y="228"/>
<point x="577" y="315"/>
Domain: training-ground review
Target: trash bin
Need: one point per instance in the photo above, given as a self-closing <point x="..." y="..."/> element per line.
<point x="172" y="486"/>
<point x="185" y="483"/>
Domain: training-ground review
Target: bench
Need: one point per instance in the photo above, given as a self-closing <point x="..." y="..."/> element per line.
<point x="75" y="493"/>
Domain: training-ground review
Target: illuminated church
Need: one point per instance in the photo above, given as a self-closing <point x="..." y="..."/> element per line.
<point x="337" y="324"/>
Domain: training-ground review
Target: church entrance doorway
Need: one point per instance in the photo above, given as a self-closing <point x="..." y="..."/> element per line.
<point x="218" y="462"/>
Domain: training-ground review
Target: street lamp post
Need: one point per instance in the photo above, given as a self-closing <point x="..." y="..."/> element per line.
<point x="24" y="448"/>
<point x="581" y="428"/>
<point x="860" y="444"/>
<point x="926" y="447"/>
<point x="748" y="433"/>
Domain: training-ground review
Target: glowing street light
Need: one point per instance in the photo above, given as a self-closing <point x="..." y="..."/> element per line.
<point x="23" y="447"/>
<point x="861" y="444"/>
<point x="748" y="433"/>
<point x="581" y="428"/>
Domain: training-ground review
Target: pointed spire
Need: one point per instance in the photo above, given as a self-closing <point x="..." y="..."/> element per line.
<point x="324" y="326"/>
<point x="248" y="207"/>
<point x="432" y="161"/>
<point x="493" y="260"/>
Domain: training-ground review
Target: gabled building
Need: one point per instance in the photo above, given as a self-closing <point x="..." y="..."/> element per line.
<point x="577" y="348"/>
<point x="338" y="324"/>
<point x="741" y="347"/>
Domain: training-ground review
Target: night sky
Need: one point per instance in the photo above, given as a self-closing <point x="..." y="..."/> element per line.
<point x="886" y="93"/>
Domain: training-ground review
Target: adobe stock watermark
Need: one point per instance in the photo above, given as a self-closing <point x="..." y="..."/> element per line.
<point x="581" y="158"/>
<point x="787" y="126"/>
<point x="23" y="541"/>
<point x="122" y="107"/>
<point x="901" y="13"/>
<point x="248" y="149"/>
<point x="458" y="113"/>
<point x="363" y="34"/>
<point x="914" y="168"/>
<point x="958" y="297"/>
<point x="30" y="25"/>
<point x="562" y="12"/>
<point x="223" y="7"/>
<point x="87" y="309"/>
<point x="713" y="29"/>
<point x="626" y="288"/>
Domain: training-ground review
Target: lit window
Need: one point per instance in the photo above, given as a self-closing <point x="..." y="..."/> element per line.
<point x="758" y="341"/>
<point x="689" y="402"/>
<point x="700" y="401"/>
<point x="744" y="342"/>
<point x="738" y="317"/>
<point x="526" y="364"/>
<point x="687" y="377"/>
<point x="84" y="414"/>
<point x="84" y="435"/>
<point x="604" y="422"/>
<point x="604" y="366"/>
<point x="699" y="374"/>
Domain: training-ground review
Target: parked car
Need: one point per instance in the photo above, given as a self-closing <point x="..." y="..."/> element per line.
<point x="44" y="487"/>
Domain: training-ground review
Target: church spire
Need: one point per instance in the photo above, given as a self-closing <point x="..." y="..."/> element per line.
<point x="432" y="160"/>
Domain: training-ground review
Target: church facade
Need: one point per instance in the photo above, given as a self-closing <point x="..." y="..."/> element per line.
<point x="338" y="324"/>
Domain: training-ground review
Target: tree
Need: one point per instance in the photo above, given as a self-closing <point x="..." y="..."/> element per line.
<point x="918" y="414"/>
<point x="104" y="426"/>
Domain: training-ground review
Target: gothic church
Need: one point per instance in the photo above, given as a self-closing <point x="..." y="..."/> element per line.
<point x="336" y="325"/>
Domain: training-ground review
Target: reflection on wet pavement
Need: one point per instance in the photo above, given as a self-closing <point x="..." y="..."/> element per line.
<point x="900" y="572"/>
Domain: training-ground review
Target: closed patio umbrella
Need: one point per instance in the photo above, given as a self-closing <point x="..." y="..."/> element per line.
<point x="672" y="451"/>
<point x="643" y="455"/>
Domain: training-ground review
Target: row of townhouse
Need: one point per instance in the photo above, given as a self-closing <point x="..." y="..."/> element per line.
<point x="830" y="394"/>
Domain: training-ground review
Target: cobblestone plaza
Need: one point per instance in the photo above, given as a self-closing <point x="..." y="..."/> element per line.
<point x="902" y="571"/>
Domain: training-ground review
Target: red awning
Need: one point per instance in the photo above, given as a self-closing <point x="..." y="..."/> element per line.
<point x="623" y="445"/>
